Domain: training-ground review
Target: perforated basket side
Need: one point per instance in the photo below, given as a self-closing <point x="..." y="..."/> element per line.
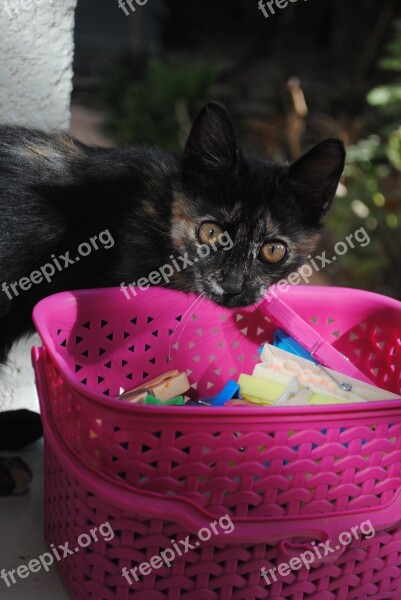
<point x="217" y="569"/>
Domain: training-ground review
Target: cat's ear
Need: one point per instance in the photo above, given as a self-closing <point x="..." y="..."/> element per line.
<point x="212" y="144"/>
<point x="315" y="176"/>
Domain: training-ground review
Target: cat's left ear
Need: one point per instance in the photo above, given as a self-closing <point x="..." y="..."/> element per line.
<point x="212" y="144"/>
<point x="316" y="175"/>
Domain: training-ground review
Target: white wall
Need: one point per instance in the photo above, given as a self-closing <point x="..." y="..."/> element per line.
<point x="36" y="49"/>
<point x="36" y="52"/>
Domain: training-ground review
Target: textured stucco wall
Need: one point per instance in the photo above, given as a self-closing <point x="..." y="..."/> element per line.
<point x="36" y="52"/>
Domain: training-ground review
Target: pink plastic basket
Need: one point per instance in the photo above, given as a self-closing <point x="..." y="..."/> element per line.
<point x="285" y="476"/>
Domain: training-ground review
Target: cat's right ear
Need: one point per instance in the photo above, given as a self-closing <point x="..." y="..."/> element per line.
<point x="316" y="175"/>
<point x="212" y="146"/>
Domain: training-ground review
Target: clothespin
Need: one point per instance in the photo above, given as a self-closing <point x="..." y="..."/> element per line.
<point x="281" y="366"/>
<point x="230" y="391"/>
<point x="165" y="387"/>
<point x="151" y="400"/>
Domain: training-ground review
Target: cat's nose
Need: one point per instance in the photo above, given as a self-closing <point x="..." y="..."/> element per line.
<point x="233" y="283"/>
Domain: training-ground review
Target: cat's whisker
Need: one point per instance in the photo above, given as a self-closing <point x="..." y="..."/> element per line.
<point x="185" y="313"/>
<point x="167" y="235"/>
<point x="201" y="299"/>
<point x="198" y="299"/>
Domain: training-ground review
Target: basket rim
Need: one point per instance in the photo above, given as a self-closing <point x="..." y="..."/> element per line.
<point x="40" y="317"/>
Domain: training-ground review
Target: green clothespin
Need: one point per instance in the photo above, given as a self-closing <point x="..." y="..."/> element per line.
<point x="152" y="401"/>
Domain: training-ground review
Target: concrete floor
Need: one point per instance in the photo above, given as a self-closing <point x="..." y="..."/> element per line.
<point x="21" y="526"/>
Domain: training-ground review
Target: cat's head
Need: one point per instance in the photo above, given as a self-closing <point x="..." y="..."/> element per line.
<point x="270" y="213"/>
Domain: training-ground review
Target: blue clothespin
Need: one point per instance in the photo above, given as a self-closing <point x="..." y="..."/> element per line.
<point x="230" y="391"/>
<point x="285" y="342"/>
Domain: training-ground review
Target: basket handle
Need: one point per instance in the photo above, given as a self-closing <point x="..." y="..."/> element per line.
<point x="193" y="517"/>
<point x="316" y="552"/>
<point x="310" y="339"/>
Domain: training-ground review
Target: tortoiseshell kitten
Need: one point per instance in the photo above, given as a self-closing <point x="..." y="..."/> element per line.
<point x="56" y="193"/>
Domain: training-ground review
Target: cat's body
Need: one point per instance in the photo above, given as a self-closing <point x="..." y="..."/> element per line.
<point x="56" y="194"/>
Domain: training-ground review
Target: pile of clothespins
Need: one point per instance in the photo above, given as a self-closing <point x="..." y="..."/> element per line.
<point x="286" y="376"/>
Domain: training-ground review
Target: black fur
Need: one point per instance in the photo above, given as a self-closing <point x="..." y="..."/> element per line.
<point x="19" y="428"/>
<point x="56" y="193"/>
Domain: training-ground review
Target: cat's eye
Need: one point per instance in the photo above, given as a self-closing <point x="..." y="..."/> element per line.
<point x="209" y="233"/>
<point x="273" y="252"/>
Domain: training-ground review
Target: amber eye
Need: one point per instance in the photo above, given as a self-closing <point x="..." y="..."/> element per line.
<point x="209" y="233"/>
<point x="273" y="251"/>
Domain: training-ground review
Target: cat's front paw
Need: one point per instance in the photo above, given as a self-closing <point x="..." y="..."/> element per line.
<point x="15" y="476"/>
